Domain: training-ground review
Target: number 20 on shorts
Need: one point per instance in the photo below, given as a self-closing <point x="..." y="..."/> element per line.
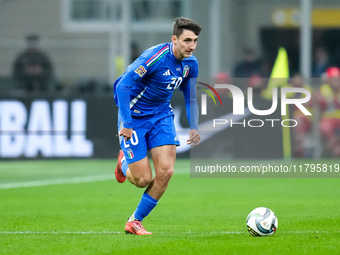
<point x="133" y="140"/>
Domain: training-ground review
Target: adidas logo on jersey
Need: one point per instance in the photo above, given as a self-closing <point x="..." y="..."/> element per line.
<point x="167" y="72"/>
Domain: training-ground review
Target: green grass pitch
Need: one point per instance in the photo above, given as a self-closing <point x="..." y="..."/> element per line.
<point x="86" y="211"/>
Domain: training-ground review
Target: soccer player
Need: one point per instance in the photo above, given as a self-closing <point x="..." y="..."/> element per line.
<point x="145" y="116"/>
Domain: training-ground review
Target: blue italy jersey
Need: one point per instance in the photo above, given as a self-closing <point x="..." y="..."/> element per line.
<point x="148" y="84"/>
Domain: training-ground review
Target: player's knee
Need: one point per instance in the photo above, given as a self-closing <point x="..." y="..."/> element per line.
<point x="165" y="175"/>
<point x="170" y="172"/>
<point x="143" y="182"/>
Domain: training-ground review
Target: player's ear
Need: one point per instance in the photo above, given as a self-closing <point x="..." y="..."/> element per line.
<point x="174" y="38"/>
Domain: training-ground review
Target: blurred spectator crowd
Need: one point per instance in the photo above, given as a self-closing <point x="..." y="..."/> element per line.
<point x="324" y="105"/>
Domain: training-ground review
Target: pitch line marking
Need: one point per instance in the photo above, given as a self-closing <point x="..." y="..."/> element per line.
<point x="72" y="180"/>
<point x="38" y="183"/>
<point x="58" y="233"/>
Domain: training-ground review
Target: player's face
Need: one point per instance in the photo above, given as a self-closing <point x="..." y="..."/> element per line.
<point x="185" y="44"/>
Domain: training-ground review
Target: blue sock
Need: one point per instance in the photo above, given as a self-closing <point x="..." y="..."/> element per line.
<point x="146" y="204"/>
<point x="124" y="166"/>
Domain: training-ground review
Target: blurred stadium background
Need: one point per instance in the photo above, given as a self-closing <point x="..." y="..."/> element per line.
<point x="68" y="111"/>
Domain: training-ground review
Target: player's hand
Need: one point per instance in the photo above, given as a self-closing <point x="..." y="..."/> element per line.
<point x="194" y="137"/>
<point x="126" y="133"/>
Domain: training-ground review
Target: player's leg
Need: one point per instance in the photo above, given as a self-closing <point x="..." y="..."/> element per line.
<point x="133" y="163"/>
<point x="121" y="167"/>
<point x="164" y="160"/>
<point x="138" y="173"/>
<point x="162" y="141"/>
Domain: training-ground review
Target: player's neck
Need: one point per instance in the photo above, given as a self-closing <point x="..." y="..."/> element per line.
<point x="176" y="53"/>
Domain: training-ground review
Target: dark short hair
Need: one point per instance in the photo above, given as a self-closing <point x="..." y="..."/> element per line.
<point x="182" y="23"/>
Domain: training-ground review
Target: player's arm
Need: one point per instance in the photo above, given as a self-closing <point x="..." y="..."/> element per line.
<point x="191" y="106"/>
<point x="133" y="75"/>
<point x="123" y="96"/>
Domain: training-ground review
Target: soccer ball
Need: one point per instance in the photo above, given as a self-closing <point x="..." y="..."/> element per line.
<point x="261" y="222"/>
